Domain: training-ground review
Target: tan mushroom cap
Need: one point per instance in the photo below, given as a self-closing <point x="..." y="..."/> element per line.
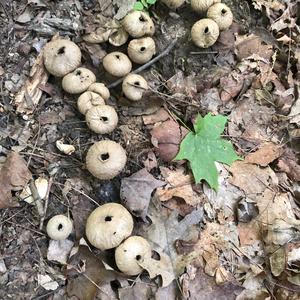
<point x="173" y="4"/>
<point x="141" y="50"/>
<point x="117" y="64"/>
<point x="138" y="24"/>
<point x="221" y="14"/>
<point x="61" y="57"/>
<point x="134" y="86"/>
<point x="78" y="81"/>
<point x="108" y="225"/>
<point x="201" y="6"/>
<point x="106" y="159"/>
<point x="102" y="119"/>
<point x="88" y="100"/>
<point x="59" y="227"/>
<point x="205" y="33"/>
<point x="100" y="89"/>
<point x="133" y="250"/>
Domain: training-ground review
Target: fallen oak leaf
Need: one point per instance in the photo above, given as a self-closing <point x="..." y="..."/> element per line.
<point x="136" y="190"/>
<point x="14" y="176"/>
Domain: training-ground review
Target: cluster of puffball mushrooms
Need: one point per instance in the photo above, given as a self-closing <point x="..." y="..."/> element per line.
<point x="205" y="32"/>
<point x="108" y="226"/>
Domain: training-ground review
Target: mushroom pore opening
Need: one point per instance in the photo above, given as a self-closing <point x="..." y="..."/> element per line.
<point x="118" y="56"/>
<point x="61" y="50"/>
<point x="223" y="11"/>
<point x="60" y="227"/>
<point x="137" y="83"/>
<point x="108" y="218"/>
<point x="104" y="119"/>
<point x="142" y="19"/>
<point x="143" y="49"/>
<point x="78" y="73"/>
<point x="138" y="257"/>
<point x="206" y="29"/>
<point x="104" y="156"/>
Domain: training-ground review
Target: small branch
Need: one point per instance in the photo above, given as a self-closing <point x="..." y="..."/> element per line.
<point x="203" y="52"/>
<point x="46" y="203"/>
<point x="148" y="64"/>
<point x="36" y="197"/>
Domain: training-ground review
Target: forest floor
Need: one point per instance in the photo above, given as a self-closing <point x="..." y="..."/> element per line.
<point x="239" y="242"/>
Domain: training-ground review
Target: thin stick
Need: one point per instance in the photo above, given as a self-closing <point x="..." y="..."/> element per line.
<point x="148" y="64"/>
<point x="46" y="203"/>
<point x="203" y="52"/>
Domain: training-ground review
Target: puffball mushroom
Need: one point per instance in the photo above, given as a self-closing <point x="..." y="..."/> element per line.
<point x="117" y="64"/>
<point x="78" y="81"/>
<point x="173" y="4"/>
<point x="61" y="57"/>
<point x="132" y="250"/>
<point x="102" y="119"/>
<point x="106" y="159"/>
<point x="201" y="6"/>
<point x="59" y="227"/>
<point x="100" y="89"/>
<point x="108" y="225"/>
<point x="88" y="100"/>
<point x="134" y="86"/>
<point x="205" y="33"/>
<point x="221" y="14"/>
<point x="141" y="50"/>
<point x="138" y="24"/>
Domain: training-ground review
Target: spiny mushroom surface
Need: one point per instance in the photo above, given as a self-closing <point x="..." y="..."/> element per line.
<point x="173" y="4"/>
<point x="78" y="81"/>
<point x="100" y="89"/>
<point x="133" y="250"/>
<point x="138" y="24"/>
<point x="102" y="119"/>
<point x="141" y="50"/>
<point x="59" y="227"/>
<point x="61" y="57"/>
<point x="205" y="33"/>
<point x="134" y="86"/>
<point x="221" y="14"/>
<point x="88" y="100"/>
<point x="201" y="6"/>
<point x="108" y="225"/>
<point x="105" y="159"/>
<point x="117" y="64"/>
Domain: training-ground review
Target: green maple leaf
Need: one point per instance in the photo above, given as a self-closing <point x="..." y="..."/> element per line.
<point x="204" y="147"/>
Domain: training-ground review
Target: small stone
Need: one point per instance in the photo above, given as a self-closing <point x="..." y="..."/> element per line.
<point x="9" y="85"/>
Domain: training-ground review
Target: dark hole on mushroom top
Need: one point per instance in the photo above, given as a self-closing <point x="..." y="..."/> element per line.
<point x="104" y="119"/>
<point x="108" y="218"/>
<point x="118" y="56"/>
<point x="78" y="73"/>
<point x="104" y="156"/>
<point x="223" y="11"/>
<point x="206" y="29"/>
<point x="142" y="19"/>
<point x="138" y="257"/>
<point x="59" y="227"/>
<point x="61" y="50"/>
<point x="143" y="49"/>
<point x="115" y="232"/>
<point x="136" y="83"/>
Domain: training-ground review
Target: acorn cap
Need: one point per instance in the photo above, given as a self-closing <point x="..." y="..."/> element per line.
<point x="102" y="119"/>
<point x="117" y="64"/>
<point x="173" y="4"/>
<point x="201" y="6"/>
<point x="134" y="86"/>
<point x="141" y="50"/>
<point x="61" y="57"/>
<point x="100" y="89"/>
<point x="205" y="33"/>
<point x="221" y="14"/>
<point x="108" y="225"/>
<point x="78" y="81"/>
<point x="133" y="250"/>
<point x="138" y="24"/>
<point x="106" y="159"/>
<point x="59" y="227"/>
<point x="87" y="100"/>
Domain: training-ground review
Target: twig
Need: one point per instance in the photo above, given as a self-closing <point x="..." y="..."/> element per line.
<point x="36" y="197"/>
<point x="148" y="64"/>
<point x="203" y="52"/>
<point x="46" y="203"/>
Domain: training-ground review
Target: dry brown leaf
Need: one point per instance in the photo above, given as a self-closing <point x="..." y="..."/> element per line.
<point x="14" y="176"/>
<point x="136" y="190"/>
<point x="288" y="163"/>
<point x="266" y="153"/>
<point x="231" y="85"/>
<point x="179" y="185"/>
